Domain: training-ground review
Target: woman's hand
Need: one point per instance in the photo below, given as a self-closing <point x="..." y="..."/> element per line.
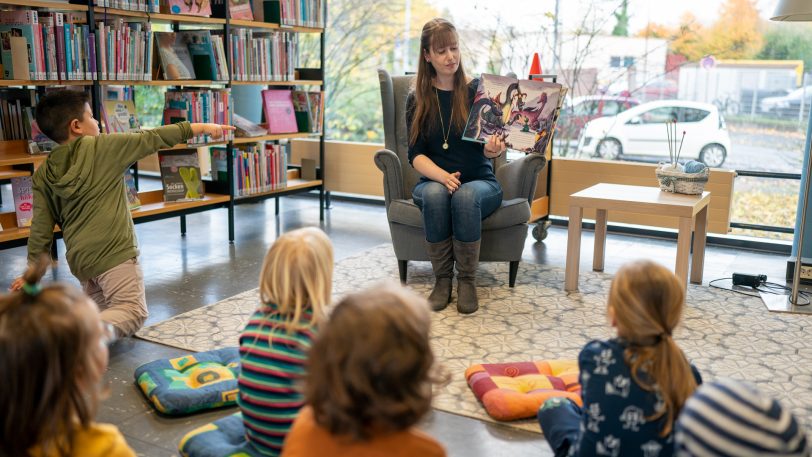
<point x="495" y="146"/>
<point x="452" y="182"/>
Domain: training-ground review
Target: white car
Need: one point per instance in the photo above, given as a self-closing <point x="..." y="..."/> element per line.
<point x="642" y="131"/>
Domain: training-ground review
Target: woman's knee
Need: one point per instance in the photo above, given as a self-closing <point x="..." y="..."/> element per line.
<point x="465" y="197"/>
<point x="433" y="193"/>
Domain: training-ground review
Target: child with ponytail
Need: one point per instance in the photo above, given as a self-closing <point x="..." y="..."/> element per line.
<point x="634" y="385"/>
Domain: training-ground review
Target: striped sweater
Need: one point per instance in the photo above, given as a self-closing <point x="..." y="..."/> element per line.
<point x="272" y="364"/>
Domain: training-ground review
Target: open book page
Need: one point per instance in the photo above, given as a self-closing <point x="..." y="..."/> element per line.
<point x="521" y="112"/>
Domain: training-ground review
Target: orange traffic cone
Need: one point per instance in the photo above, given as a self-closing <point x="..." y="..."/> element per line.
<point x="535" y="67"/>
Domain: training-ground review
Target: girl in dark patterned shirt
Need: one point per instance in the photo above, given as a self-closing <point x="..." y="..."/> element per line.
<point x="295" y="287"/>
<point x="634" y="385"/>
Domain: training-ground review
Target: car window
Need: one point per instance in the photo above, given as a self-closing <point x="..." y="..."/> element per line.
<point x="692" y="114"/>
<point x="610" y="108"/>
<point x="659" y="115"/>
<point x="586" y="108"/>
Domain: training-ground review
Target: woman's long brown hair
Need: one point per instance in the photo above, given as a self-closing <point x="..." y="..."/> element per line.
<point x="648" y="301"/>
<point x="46" y="340"/>
<point x="437" y="33"/>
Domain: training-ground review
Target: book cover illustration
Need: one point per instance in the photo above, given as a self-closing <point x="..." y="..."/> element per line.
<point x="522" y="112"/>
<point x="279" y="113"/>
<point x="246" y="128"/>
<point x="133" y="202"/>
<point x="240" y="9"/>
<point x="192" y="7"/>
<point x="198" y="42"/>
<point x="119" y="116"/>
<point x="23" y="192"/>
<point x="180" y="175"/>
<point x="176" y="61"/>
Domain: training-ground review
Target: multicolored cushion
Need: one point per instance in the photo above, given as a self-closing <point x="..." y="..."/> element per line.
<point x="511" y="391"/>
<point x="191" y="383"/>
<point x="222" y="438"/>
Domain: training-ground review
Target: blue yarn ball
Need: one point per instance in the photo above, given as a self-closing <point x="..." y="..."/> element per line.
<point x="694" y="167"/>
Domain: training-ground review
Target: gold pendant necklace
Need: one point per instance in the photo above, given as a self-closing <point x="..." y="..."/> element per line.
<point x="442" y="125"/>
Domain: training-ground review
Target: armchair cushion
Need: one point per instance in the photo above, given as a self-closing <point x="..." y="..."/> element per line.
<point x="405" y="212"/>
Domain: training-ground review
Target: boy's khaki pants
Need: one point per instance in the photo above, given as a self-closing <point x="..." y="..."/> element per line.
<point x="119" y="292"/>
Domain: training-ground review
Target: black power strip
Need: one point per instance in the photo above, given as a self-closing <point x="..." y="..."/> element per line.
<point x="745" y="279"/>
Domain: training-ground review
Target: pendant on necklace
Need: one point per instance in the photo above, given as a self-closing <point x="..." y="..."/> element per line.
<point x="445" y="145"/>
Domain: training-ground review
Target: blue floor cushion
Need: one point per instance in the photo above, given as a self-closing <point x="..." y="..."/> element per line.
<point x="194" y="382"/>
<point x="222" y="438"/>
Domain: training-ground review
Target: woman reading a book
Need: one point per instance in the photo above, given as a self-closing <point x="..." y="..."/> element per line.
<point x="458" y="188"/>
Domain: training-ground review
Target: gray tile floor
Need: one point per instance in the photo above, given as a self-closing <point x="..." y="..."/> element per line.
<point x="183" y="273"/>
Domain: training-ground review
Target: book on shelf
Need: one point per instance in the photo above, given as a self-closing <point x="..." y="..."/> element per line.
<point x="529" y="110"/>
<point x="180" y="175"/>
<point x="125" y="50"/>
<point x="199" y="105"/>
<point x="201" y="51"/>
<point x="308" y="107"/>
<point x="237" y="9"/>
<point x="278" y="109"/>
<point x="246" y="128"/>
<point x="146" y="6"/>
<point x="263" y="56"/>
<point x="119" y="116"/>
<point x="176" y="59"/>
<point x="189" y="7"/>
<point x="259" y="167"/>
<point x="306" y="13"/>
<point x="23" y="194"/>
<point x="133" y="202"/>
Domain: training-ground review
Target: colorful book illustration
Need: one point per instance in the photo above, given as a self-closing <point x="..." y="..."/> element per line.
<point x="279" y="113"/>
<point x="191" y="7"/>
<point x="199" y="44"/>
<point x="119" y="116"/>
<point x="240" y="9"/>
<point x="133" y="201"/>
<point x="180" y="175"/>
<point x="23" y="192"/>
<point x="522" y="112"/>
<point x="176" y="60"/>
<point x="246" y="128"/>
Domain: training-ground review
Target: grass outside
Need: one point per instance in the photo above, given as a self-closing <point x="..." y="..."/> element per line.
<point x="765" y="202"/>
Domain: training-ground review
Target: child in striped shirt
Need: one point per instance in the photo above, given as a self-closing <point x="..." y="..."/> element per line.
<point x="295" y="287"/>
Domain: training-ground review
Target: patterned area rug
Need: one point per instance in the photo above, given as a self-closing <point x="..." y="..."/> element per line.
<point x="724" y="334"/>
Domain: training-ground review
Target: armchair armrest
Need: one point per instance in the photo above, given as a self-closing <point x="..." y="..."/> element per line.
<point x="518" y="178"/>
<point x="389" y="163"/>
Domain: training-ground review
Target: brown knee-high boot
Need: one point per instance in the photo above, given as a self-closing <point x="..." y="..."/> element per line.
<point x="467" y="258"/>
<point x="441" y="255"/>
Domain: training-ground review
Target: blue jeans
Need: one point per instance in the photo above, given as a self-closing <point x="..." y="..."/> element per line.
<point x="560" y="421"/>
<point x="460" y="213"/>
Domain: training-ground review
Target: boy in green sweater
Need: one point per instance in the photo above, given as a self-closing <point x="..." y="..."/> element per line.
<point x="80" y="187"/>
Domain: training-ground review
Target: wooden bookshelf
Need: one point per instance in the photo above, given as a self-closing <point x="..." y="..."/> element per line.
<point x="160" y="17"/>
<point x="161" y="82"/>
<point x="281" y="136"/>
<point x="10" y="230"/>
<point x="293" y="185"/>
<point x="152" y="203"/>
<point x="14" y="153"/>
<point x="31" y="82"/>
<point x="12" y="173"/>
<point x="59" y="6"/>
<point x="274" y="26"/>
<point x="292" y="82"/>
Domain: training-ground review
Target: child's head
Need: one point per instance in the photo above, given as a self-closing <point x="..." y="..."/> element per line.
<point x="729" y="418"/>
<point x="66" y="114"/>
<point x="297" y="274"/>
<point x="370" y="370"/>
<point x="53" y="354"/>
<point x="645" y="305"/>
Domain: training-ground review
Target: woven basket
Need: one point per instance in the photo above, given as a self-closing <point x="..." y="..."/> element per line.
<point x="681" y="183"/>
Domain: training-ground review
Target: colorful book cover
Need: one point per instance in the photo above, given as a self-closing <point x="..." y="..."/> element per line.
<point x="198" y="42"/>
<point x="120" y="116"/>
<point x="240" y="9"/>
<point x="176" y="61"/>
<point x="23" y="192"/>
<point x="180" y="175"/>
<point x="192" y="7"/>
<point x="133" y="201"/>
<point x="246" y="128"/>
<point x="279" y="113"/>
<point x="522" y="112"/>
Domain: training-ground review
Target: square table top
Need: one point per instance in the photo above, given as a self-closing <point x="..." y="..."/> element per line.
<point x="639" y="199"/>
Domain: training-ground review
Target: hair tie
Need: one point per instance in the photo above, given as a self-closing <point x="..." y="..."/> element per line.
<point x="31" y="289"/>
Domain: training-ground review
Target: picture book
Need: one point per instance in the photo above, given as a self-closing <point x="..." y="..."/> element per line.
<point x="192" y="7"/>
<point x="198" y="42"/>
<point x="133" y="202"/>
<point x="279" y="113"/>
<point x="180" y="175"/>
<point x="246" y="128"/>
<point x="304" y="112"/>
<point x="522" y="112"/>
<point x="119" y="116"/>
<point x="316" y="111"/>
<point x="23" y="193"/>
<point x="240" y="9"/>
<point x="176" y="61"/>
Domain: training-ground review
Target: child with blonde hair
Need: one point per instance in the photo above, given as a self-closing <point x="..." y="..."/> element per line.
<point x="634" y="385"/>
<point x="295" y="287"/>
<point x="369" y="380"/>
<point x="53" y="354"/>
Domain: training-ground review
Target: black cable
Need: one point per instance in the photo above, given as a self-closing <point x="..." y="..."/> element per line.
<point x="731" y="289"/>
<point x="773" y="288"/>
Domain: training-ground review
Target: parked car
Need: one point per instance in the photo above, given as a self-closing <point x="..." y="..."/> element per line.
<point x="787" y="105"/>
<point x="642" y="131"/>
<point x="574" y="116"/>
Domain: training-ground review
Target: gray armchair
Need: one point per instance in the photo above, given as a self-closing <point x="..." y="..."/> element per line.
<point x="503" y="232"/>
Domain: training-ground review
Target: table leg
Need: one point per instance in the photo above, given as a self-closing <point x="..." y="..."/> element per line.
<point x="600" y="240"/>
<point x="700" y="237"/>
<point x="683" y="249"/>
<point x="573" y="249"/>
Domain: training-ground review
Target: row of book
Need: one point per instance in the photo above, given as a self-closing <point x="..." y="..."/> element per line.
<point x="307" y="13"/>
<point x="263" y="56"/>
<point x="17" y="120"/>
<point x="146" y="6"/>
<point x="192" y="54"/>
<point x="259" y="167"/>
<point x="200" y="105"/>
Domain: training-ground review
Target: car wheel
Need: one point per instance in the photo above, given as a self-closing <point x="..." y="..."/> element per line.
<point x="609" y="149"/>
<point x="713" y="155"/>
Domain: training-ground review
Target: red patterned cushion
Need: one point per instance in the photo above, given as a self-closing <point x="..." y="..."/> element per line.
<point x="511" y="391"/>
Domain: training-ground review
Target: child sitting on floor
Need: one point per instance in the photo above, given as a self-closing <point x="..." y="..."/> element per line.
<point x="53" y="354"/>
<point x="369" y="380"/>
<point x="295" y="286"/>
<point x="634" y="385"/>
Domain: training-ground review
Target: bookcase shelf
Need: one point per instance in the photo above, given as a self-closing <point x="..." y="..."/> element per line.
<point x="59" y="6"/>
<point x="161" y="82"/>
<point x="293" y="186"/>
<point x="292" y="82"/>
<point x="152" y="204"/>
<point x="29" y="82"/>
<point x="280" y="136"/>
<point x="159" y="17"/>
<point x="274" y="26"/>
<point x="8" y="174"/>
